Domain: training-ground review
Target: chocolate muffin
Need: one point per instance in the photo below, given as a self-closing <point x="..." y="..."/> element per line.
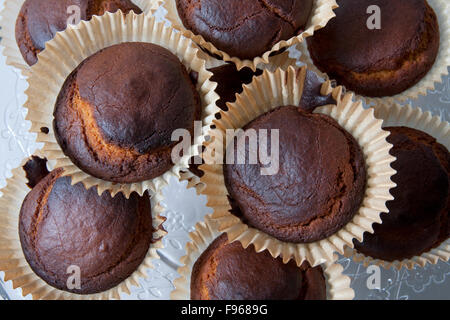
<point x="227" y="271"/>
<point x="245" y="28"/>
<point x="62" y="225"/>
<point x="320" y="183"/>
<point x="418" y="216"/>
<point x="40" y="20"/>
<point x="378" y="62"/>
<point x="116" y="112"/>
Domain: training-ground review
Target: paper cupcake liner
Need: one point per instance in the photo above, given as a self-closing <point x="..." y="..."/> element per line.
<point x="193" y="181"/>
<point x="70" y="47"/>
<point x="338" y="285"/>
<point x="10" y="50"/>
<point x="396" y="115"/>
<point x="283" y="88"/>
<point x="428" y="82"/>
<point x="16" y="267"/>
<point x="8" y="30"/>
<point x="321" y="13"/>
<point x="282" y="60"/>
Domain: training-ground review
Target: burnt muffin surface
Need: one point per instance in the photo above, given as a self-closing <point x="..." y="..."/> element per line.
<point x="63" y="226"/>
<point x="227" y="271"/>
<point x="244" y="28"/>
<point x="40" y="20"/>
<point x="116" y="112"/>
<point x="378" y="62"/>
<point x="320" y="183"/>
<point x="418" y="216"/>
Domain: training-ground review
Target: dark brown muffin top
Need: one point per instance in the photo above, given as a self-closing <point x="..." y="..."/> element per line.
<point x="377" y="62"/>
<point x="39" y="20"/>
<point x="418" y="216"/>
<point x="227" y="271"/>
<point x="245" y="28"/>
<point x="62" y="225"/>
<point x="116" y="112"/>
<point x="320" y="183"/>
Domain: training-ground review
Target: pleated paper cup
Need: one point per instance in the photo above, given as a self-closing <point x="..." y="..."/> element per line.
<point x="282" y="60"/>
<point x="283" y="88"/>
<point x="10" y="49"/>
<point x="193" y="181"/>
<point x="16" y="267"/>
<point x="337" y="284"/>
<point x="70" y="47"/>
<point x="9" y="16"/>
<point x="396" y="115"/>
<point x="321" y="13"/>
<point x="428" y="82"/>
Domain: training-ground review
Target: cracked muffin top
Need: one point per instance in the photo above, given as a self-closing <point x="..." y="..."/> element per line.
<point x="377" y="62"/>
<point x="39" y="20"/>
<point x="227" y="271"/>
<point x="116" y="112"/>
<point x="61" y="225"/>
<point x="320" y="183"/>
<point x="418" y="216"/>
<point x="245" y="28"/>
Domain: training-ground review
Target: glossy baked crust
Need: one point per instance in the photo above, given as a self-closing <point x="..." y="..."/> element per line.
<point x="229" y="272"/>
<point x="382" y="62"/>
<point x="62" y="225"/>
<point x="245" y="28"/>
<point x="116" y="112"/>
<point x="39" y="20"/>
<point x="418" y="216"/>
<point x="319" y="186"/>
